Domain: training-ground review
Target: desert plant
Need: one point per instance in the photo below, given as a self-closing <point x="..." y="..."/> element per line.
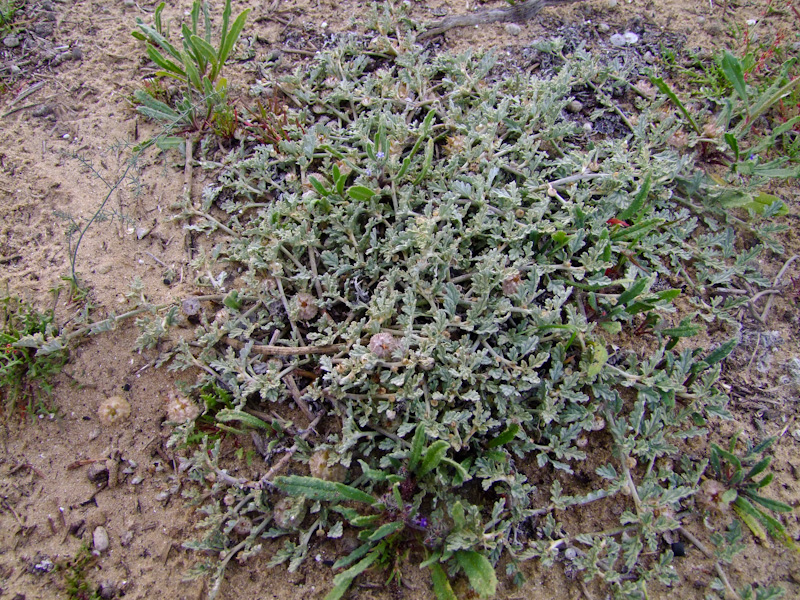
<point x="443" y="270"/>
<point x="24" y="373"/>
<point x="733" y="483"/>
<point x="197" y="64"/>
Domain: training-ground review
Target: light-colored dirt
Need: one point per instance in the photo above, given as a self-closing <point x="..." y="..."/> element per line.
<point x="49" y="505"/>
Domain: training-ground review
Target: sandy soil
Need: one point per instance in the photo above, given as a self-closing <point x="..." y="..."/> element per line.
<point x="82" y="53"/>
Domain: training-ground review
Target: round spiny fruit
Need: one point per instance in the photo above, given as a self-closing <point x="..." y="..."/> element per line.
<point x="383" y="344"/>
<point x="306" y="306"/>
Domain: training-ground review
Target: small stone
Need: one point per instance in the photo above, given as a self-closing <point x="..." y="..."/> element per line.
<point x="575" y="106"/>
<point x="11" y="41"/>
<point x="100" y="539"/>
<point x="15" y="70"/>
<point x="128" y="3"/>
<point x="126" y="538"/>
<point x="649" y="58"/>
<point x="77" y="53"/>
<point x="513" y="29"/>
<point x="97" y="472"/>
<point x="617" y="40"/>
<point x="43" y="29"/>
<point x="137" y="480"/>
<point x="604" y="28"/>
<point x="701" y="20"/>
<point x="612" y="3"/>
<point x="630" y="38"/>
<point x="43" y="110"/>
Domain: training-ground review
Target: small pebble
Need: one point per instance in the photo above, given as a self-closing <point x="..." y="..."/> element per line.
<point x="604" y="28"/>
<point x="77" y="53"/>
<point x="701" y="20"/>
<point x="15" y="70"/>
<point x="126" y="538"/>
<point x="137" y="480"/>
<point x="612" y="3"/>
<point x="43" y="29"/>
<point x="649" y="58"/>
<point x="97" y="472"/>
<point x="630" y="38"/>
<point x="11" y="41"/>
<point x="100" y="539"/>
<point x="128" y="3"/>
<point x="617" y="40"/>
<point x="513" y="29"/>
<point x="587" y="128"/>
<point x="42" y="110"/>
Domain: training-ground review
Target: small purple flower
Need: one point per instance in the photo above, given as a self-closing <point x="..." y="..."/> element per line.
<point x="380" y="155"/>
<point x="369" y="172"/>
<point x="419" y="522"/>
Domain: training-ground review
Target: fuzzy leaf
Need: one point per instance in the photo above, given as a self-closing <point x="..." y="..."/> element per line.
<point x="479" y="571"/>
<point x="319" y="489"/>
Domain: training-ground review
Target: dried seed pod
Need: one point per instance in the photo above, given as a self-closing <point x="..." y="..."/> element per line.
<point x="511" y="283"/>
<point x="305" y="306"/>
<point x="319" y="467"/>
<point x="289" y="513"/>
<point x="190" y="307"/>
<point x="114" y="410"/>
<point x="710" y="496"/>
<point x="383" y="345"/>
<point x="181" y="409"/>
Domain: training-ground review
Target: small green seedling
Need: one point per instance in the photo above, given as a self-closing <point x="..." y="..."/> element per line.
<point x="743" y="493"/>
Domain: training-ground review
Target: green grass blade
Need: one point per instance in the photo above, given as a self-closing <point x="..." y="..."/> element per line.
<point x="665" y="89"/>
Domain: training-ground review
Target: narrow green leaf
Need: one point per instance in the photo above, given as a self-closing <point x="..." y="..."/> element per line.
<point x="506" y="436"/>
<point x="665" y="89"/>
<point x="319" y="489"/>
<point x="750" y="516"/>
<point x="205" y="49"/>
<point x="769" y="503"/>
<point x="636" y="288"/>
<point x="226" y="415"/>
<point x="758" y="468"/>
<point x="433" y="456"/>
<point x="353" y="556"/>
<point x="635" y="231"/>
<point x="321" y="189"/>
<point x="357" y="568"/>
<point x="479" y="571"/>
<point x="417" y="446"/>
<point x="360" y="193"/>
<point x="731" y="139"/>
<point x="163" y="63"/>
<point x="638" y="201"/>
<point x="462" y="474"/>
<point x="732" y="68"/>
<point x="720" y="353"/>
<point x="386" y="529"/>
<point x="441" y="584"/>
